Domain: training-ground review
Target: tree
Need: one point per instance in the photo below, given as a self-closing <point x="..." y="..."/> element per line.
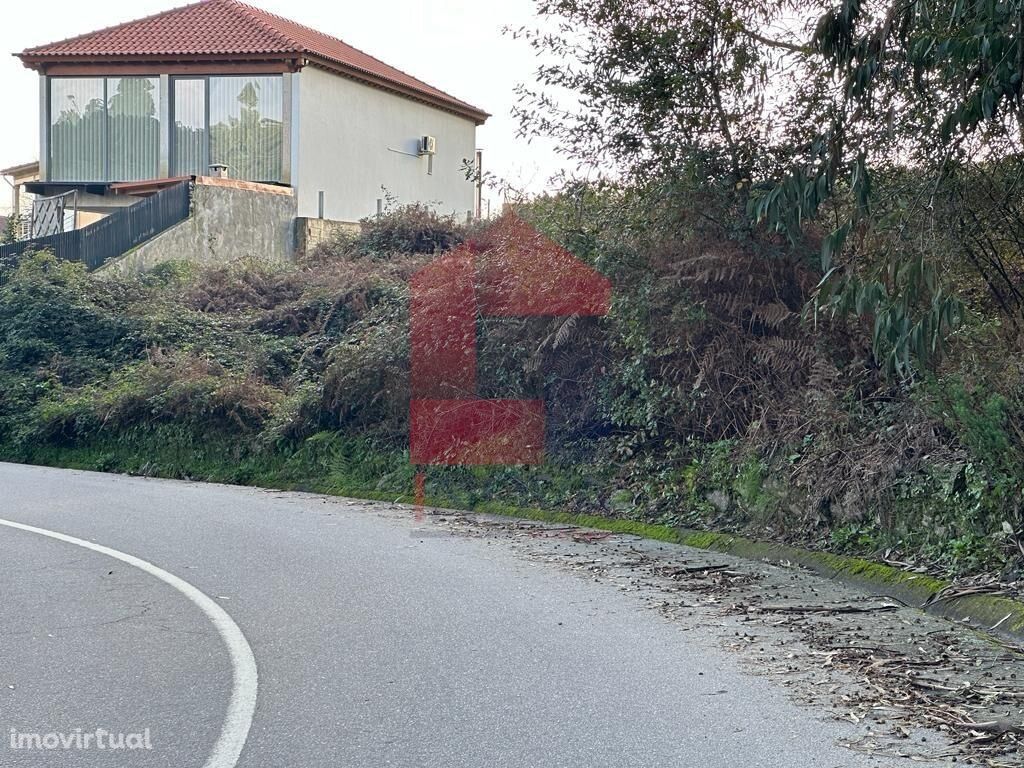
<point x="655" y="84"/>
<point x="860" y="121"/>
<point x="9" y="234"/>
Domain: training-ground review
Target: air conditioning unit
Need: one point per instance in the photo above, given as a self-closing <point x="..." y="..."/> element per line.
<point x="428" y="145"/>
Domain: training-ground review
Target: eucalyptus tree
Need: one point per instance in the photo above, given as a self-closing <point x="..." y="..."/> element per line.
<point x="889" y="131"/>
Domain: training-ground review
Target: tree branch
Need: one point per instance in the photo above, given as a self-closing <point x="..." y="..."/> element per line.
<point x="792" y="47"/>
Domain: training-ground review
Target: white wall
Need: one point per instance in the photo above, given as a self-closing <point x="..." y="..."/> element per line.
<point x="346" y="136"/>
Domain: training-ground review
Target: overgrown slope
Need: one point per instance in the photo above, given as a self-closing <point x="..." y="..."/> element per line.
<point x="704" y="399"/>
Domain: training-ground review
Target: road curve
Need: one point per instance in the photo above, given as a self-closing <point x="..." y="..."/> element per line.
<point x="380" y="641"/>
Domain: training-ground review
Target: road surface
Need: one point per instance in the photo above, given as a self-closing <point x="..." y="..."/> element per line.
<point x="378" y="640"/>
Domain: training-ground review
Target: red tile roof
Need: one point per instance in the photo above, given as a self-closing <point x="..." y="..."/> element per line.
<point x="228" y="28"/>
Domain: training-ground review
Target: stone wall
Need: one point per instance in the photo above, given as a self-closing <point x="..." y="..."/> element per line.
<point x="309" y="233"/>
<point x="229" y="222"/>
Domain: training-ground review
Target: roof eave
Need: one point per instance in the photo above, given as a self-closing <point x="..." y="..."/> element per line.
<point x="454" y="106"/>
<point x="40" y="61"/>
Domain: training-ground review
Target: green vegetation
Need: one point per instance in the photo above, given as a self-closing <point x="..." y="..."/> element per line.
<point x="297" y="377"/>
<point x="816" y="243"/>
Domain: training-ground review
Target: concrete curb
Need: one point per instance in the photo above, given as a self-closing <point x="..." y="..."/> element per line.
<point x="996" y="614"/>
<point x="993" y="614"/>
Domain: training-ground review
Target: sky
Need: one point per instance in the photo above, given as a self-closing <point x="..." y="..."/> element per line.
<point x="455" y="45"/>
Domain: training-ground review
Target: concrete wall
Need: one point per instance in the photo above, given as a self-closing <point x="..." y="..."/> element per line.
<point x="105" y="204"/>
<point x="309" y="233"/>
<point x="353" y="139"/>
<point x="227" y="224"/>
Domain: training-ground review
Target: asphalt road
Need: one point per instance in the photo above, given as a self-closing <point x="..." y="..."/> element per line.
<point x="379" y="641"/>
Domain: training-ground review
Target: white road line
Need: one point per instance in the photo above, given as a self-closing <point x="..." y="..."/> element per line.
<point x="242" y="705"/>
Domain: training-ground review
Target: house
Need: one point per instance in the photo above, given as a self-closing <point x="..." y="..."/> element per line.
<point x="17" y="177"/>
<point x="228" y="95"/>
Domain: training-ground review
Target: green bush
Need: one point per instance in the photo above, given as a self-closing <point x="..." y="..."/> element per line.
<point x="413" y="228"/>
<point x="58" y="321"/>
<point x="181" y="390"/>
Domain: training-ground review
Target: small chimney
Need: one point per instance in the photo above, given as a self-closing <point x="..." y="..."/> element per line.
<point x="218" y="170"/>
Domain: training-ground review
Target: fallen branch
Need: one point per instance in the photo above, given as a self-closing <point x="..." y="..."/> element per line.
<point x="997" y="727"/>
<point x="950" y="593"/>
<point x="695" y="569"/>
<point x="826" y="608"/>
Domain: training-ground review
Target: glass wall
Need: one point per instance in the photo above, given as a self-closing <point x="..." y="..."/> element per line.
<point x="246" y="126"/>
<point x="108" y="129"/>
<point x="133" y="128"/>
<point x="190" y="137"/>
<point x="104" y="129"/>
<point x="77" y="129"/>
<point x="235" y="121"/>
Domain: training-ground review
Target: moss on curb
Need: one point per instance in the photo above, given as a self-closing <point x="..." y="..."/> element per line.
<point x="1003" y="615"/>
<point x="989" y="613"/>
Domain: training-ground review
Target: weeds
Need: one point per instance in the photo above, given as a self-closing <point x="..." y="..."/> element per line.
<point x="702" y="400"/>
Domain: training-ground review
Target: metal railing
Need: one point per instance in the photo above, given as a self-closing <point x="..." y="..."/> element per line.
<point x="112" y="236"/>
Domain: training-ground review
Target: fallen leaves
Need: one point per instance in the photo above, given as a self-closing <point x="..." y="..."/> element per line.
<point x="924" y="688"/>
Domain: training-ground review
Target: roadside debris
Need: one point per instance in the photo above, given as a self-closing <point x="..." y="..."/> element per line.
<point x="923" y="687"/>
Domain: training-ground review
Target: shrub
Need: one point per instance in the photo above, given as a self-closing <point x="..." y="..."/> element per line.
<point x="56" y="319"/>
<point x="183" y="390"/>
<point x="700" y="400"/>
<point x="414" y="228"/>
<point x="366" y="384"/>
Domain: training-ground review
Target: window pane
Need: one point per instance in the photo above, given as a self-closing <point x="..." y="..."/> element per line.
<point x="246" y="126"/>
<point x="189" y="128"/>
<point x="76" y="129"/>
<point x="133" y="134"/>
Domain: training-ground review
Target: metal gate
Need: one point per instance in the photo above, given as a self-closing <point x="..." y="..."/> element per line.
<point x="53" y="215"/>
